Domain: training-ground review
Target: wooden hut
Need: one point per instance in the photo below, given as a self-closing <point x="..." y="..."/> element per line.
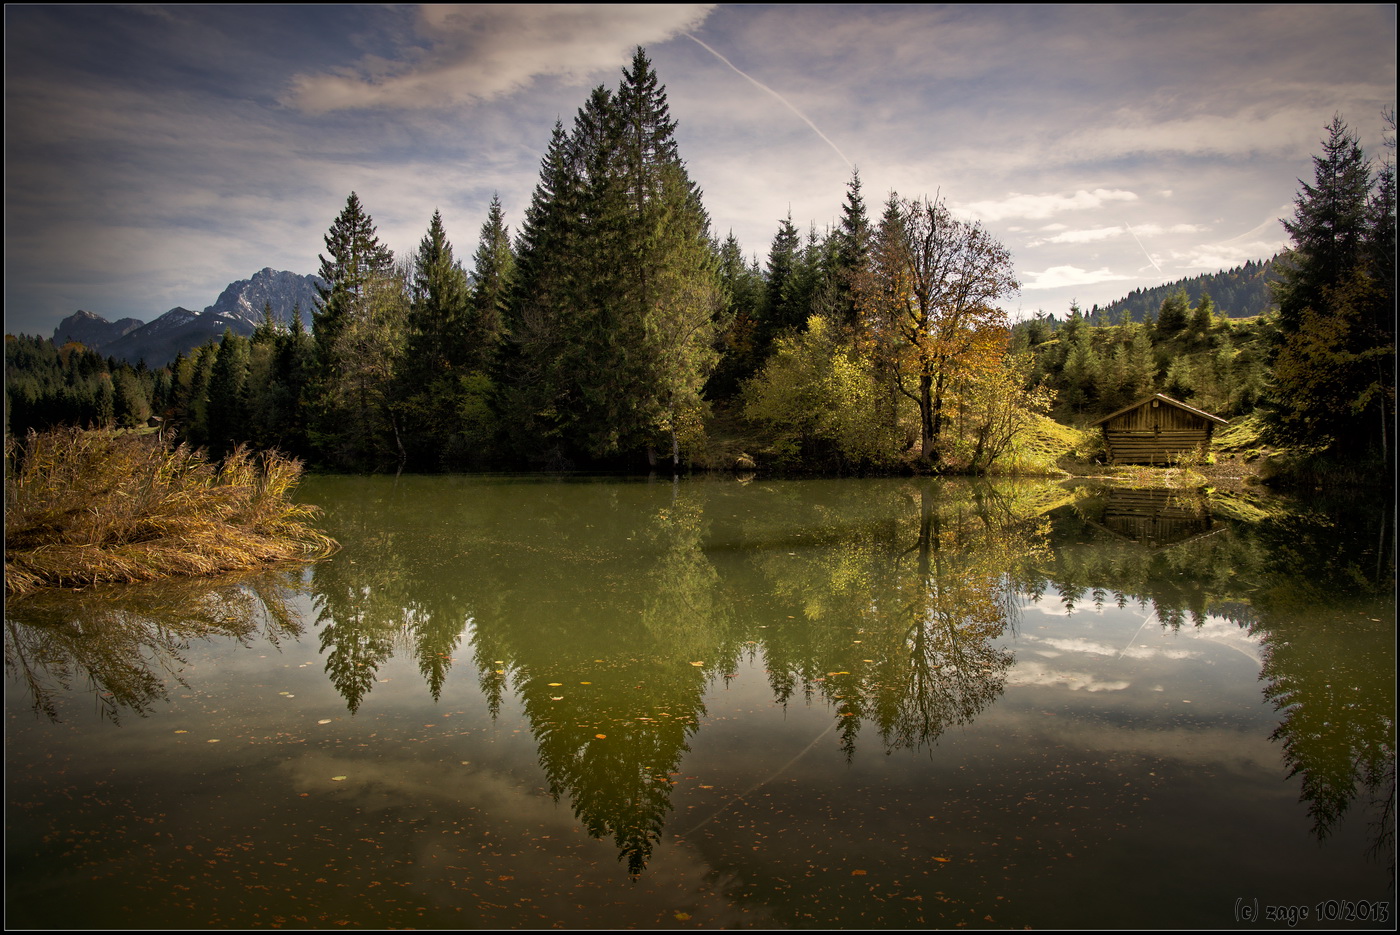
<point x="1156" y="430"/>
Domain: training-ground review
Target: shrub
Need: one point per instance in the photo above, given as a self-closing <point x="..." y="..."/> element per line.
<point x="89" y="507"/>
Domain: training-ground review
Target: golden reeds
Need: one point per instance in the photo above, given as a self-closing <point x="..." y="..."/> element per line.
<point x="87" y="507"/>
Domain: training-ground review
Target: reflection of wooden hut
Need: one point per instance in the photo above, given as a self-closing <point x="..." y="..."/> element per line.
<point x="1156" y="430"/>
<point x="1155" y="515"/>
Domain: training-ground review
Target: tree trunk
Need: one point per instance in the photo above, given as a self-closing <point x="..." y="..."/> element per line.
<point x="926" y="434"/>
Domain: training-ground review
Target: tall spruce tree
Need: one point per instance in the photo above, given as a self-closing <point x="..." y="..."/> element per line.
<point x="546" y="249"/>
<point x="1328" y="227"/>
<point x="1334" y="369"/>
<point x="853" y="249"/>
<point x="354" y="258"/>
<point x="493" y="268"/>
<point x="439" y="310"/>
<point x="612" y="319"/>
<point x="781" y="310"/>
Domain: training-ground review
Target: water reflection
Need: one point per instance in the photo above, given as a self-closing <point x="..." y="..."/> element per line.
<point x="636" y="596"/>
<point x="609" y="610"/>
<point x="1315" y="586"/>
<point x="126" y="646"/>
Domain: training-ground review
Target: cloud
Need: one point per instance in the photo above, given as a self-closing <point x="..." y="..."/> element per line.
<point x="1095" y="234"/>
<point x="1036" y="207"/>
<point x="474" y="53"/>
<point x="1057" y="277"/>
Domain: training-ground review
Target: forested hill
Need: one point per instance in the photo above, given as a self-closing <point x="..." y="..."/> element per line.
<point x="1242" y="292"/>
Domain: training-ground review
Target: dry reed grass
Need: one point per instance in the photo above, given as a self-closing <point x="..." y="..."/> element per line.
<point x="84" y="508"/>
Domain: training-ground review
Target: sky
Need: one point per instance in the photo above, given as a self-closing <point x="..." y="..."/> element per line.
<point x="154" y="154"/>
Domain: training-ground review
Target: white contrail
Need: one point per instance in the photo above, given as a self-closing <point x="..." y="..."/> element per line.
<point x="785" y="101"/>
<point x="1143" y="249"/>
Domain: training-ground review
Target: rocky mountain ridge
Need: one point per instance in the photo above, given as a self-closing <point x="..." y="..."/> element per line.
<point x="239" y="308"/>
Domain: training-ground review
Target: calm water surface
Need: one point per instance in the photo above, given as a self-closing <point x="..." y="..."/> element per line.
<point x="521" y="702"/>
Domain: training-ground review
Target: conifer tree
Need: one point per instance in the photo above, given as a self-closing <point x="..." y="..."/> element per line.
<point x="438" y="314"/>
<point x="546" y="251"/>
<point x="782" y="311"/>
<point x="1328" y="227"/>
<point x="1334" y="371"/>
<point x="227" y="400"/>
<point x="493" y="269"/>
<point x="616" y="294"/>
<point x="853" y="249"/>
<point x="359" y="328"/>
<point x="355" y="259"/>
<point x="736" y="325"/>
<point x="1172" y="317"/>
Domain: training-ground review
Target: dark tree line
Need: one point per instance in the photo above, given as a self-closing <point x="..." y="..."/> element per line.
<point x="615" y="330"/>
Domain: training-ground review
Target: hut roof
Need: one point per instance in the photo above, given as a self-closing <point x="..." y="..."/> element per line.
<point x="1169" y="401"/>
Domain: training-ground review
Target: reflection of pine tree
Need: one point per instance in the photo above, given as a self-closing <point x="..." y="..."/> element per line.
<point x="652" y="609"/>
<point x="1326" y="612"/>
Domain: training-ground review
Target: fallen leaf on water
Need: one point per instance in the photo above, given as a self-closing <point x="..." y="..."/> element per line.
<point x="182" y="732"/>
<point x="555" y="684"/>
<point x="683" y="916"/>
<point x="857" y="873"/>
<point x="942" y="860"/>
<point x="324" y="720"/>
<point x="556" y="697"/>
<point x="338" y="779"/>
<point x="211" y="741"/>
<point x="697" y="663"/>
<point x="601" y="736"/>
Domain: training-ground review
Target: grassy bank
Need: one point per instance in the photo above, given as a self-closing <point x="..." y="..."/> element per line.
<point x="84" y="508"/>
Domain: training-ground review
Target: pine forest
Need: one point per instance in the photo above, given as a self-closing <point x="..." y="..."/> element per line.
<point x="615" y="329"/>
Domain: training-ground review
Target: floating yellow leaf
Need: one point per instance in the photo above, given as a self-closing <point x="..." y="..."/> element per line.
<point x="555" y="684"/>
<point x="324" y="720"/>
<point x="601" y="736"/>
<point x="337" y="779"/>
<point x="211" y="741"/>
<point x="182" y="732"/>
<point x="697" y="663"/>
<point x="683" y="916"/>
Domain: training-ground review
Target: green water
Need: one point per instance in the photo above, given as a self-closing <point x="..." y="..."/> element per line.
<point x="521" y="702"/>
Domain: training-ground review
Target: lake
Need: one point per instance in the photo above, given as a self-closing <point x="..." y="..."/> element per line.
<point x="534" y="702"/>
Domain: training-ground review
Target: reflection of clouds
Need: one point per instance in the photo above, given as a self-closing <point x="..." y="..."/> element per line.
<point x="1149" y="652"/>
<point x="1212" y="630"/>
<point x="1032" y="673"/>
<point x="1075" y="645"/>
<point x="1228" y="634"/>
<point x="1080" y="646"/>
<point x="459" y="809"/>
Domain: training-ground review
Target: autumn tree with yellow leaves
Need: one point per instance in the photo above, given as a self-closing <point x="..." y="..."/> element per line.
<point x="927" y="307"/>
